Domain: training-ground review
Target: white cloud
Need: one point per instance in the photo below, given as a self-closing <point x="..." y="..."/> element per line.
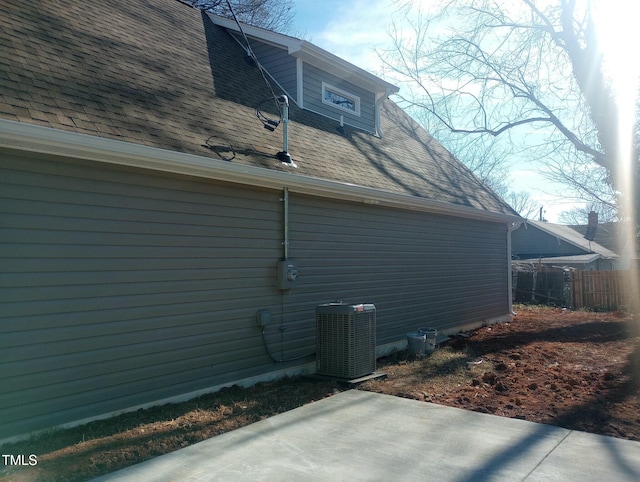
<point x="356" y="28"/>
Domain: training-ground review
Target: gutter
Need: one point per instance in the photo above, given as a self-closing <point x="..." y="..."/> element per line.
<point x="45" y="140"/>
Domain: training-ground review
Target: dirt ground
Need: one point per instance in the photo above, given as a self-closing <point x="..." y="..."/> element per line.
<point x="577" y="370"/>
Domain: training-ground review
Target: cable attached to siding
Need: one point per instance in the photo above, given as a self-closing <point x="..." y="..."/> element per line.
<point x="282" y="329"/>
<point x="282" y="360"/>
<point x="285" y="246"/>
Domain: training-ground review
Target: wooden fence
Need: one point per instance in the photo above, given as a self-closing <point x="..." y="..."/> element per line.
<point x="599" y="290"/>
<point x="591" y="290"/>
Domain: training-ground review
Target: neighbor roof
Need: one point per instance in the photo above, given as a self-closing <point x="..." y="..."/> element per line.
<point x="158" y="73"/>
<point x="569" y="235"/>
<point x="613" y="236"/>
<point x="606" y="234"/>
<point x="562" y="260"/>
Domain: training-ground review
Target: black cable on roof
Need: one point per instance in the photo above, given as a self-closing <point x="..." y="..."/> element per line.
<point x="266" y="122"/>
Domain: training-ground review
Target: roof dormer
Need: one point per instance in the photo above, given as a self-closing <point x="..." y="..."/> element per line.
<point x="315" y="79"/>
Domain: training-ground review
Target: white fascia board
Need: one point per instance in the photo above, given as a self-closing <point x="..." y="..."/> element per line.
<point x="291" y="43"/>
<point x="311" y="54"/>
<point x="341" y="68"/>
<point x="45" y="140"/>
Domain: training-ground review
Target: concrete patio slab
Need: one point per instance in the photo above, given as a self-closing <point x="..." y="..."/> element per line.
<point x="358" y="435"/>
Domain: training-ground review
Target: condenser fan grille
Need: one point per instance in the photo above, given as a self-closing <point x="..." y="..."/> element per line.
<point x="346" y="340"/>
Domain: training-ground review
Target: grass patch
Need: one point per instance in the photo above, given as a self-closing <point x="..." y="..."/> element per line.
<point x="445" y="369"/>
<point x="448" y="367"/>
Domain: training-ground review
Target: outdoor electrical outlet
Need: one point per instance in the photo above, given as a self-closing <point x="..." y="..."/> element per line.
<point x="263" y="317"/>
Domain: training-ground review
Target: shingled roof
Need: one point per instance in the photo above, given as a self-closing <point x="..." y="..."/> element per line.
<point x="574" y="238"/>
<point x="613" y="236"/>
<point x="159" y="73"/>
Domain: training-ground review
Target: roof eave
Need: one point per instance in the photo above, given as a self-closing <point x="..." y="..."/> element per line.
<point x="44" y="140"/>
<point x="576" y="259"/>
<point x="601" y="250"/>
<point x="324" y="60"/>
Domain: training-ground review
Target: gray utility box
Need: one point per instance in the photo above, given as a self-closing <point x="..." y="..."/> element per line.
<point x="345" y="340"/>
<point x="286" y="274"/>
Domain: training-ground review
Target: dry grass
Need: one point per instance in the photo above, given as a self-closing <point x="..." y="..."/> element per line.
<point x="445" y="369"/>
<point x="578" y="370"/>
<point x="88" y="451"/>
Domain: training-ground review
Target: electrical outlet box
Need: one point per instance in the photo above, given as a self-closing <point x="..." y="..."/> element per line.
<point x="263" y="317"/>
<point x="286" y="275"/>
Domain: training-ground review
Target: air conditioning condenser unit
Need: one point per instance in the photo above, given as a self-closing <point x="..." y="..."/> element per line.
<point x="345" y="340"/>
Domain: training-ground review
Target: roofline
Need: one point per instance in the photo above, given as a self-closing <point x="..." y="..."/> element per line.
<point x="577" y="259"/>
<point x="45" y="140"/>
<point x="310" y="53"/>
<point x="605" y="253"/>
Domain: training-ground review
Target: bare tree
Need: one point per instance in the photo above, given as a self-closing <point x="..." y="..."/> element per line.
<point x="275" y="15"/>
<point x="532" y="72"/>
<point x="522" y="203"/>
<point x="580" y="215"/>
<point x="481" y="154"/>
<point x="591" y="181"/>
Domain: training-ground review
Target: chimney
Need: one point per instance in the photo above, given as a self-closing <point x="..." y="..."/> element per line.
<point x="592" y="226"/>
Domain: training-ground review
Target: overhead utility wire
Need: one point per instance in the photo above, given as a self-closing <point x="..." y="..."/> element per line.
<point x="271" y="125"/>
<point x="266" y="122"/>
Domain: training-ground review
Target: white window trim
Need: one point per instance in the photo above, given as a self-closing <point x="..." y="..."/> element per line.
<point x="347" y="95"/>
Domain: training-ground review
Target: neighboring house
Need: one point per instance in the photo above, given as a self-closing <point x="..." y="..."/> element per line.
<point x="145" y="212"/>
<point x="615" y="237"/>
<point x="559" y="245"/>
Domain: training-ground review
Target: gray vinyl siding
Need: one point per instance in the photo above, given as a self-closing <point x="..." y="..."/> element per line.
<point x="121" y="287"/>
<point x="312" y="85"/>
<point x="283" y="68"/>
<point x="418" y="269"/>
<point x="280" y="65"/>
<point x="531" y="242"/>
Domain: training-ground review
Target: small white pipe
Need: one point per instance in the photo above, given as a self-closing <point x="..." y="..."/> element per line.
<point x="284" y="154"/>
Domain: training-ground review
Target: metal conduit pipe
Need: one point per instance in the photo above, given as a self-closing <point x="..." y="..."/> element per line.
<point x="285" y="223"/>
<point x="284" y="155"/>
<point x="512" y="226"/>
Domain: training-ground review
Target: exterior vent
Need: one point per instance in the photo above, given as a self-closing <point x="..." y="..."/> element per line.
<point x="346" y="340"/>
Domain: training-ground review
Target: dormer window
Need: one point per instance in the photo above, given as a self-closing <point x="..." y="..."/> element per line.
<point x="340" y="99"/>
<point x="314" y="79"/>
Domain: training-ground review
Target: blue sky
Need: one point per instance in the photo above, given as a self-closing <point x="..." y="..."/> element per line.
<point x="350" y="29"/>
<point x="313" y="16"/>
<point x="353" y="29"/>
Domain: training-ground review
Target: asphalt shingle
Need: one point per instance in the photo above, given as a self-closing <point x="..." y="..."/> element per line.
<point x="158" y="73"/>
